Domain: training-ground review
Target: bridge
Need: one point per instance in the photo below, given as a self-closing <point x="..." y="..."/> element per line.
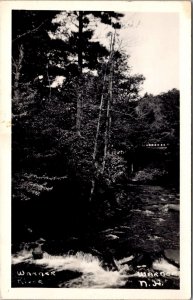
<point x="156" y="145"/>
<point x="161" y="146"/>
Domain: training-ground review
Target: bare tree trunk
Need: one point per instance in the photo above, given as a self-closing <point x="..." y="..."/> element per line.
<point x="108" y="121"/>
<point x="47" y="67"/>
<point x="80" y="33"/>
<point x="97" y="136"/>
<point x="18" y="66"/>
<point x="79" y="112"/>
<point x="108" y="117"/>
<point x="92" y="189"/>
<point x="99" y="120"/>
<point x="79" y="94"/>
<point x="106" y="136"/>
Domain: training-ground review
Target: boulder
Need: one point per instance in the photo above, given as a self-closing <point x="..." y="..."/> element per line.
<point x="112" y="237"/>
<point x="37" y="253"/>
<point x="172" y="256"/>
<point x="174" y="207"/>
<point x="171" y="207"/>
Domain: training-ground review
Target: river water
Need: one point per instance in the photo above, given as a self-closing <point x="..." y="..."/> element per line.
<point x="140" y="249"/>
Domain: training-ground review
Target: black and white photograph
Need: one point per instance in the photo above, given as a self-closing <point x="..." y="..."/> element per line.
<point x="96" y="122"/>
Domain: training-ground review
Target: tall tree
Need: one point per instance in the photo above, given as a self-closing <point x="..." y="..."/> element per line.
<point x="87" y="50"/>
<point x="31" y="33"/>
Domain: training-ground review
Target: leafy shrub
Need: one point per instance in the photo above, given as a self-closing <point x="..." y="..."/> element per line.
<point x="115" y="171"/>
<point x="149" y="174"/>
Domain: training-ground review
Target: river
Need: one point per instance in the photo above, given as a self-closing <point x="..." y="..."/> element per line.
<point x="139" y="250"/>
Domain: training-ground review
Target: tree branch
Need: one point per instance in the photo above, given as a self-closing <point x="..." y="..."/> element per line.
<point x="28" y="32"/>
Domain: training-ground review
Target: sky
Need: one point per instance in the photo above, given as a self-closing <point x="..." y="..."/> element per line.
<point x="153" y="45"/>
<point x="152" y="41"/>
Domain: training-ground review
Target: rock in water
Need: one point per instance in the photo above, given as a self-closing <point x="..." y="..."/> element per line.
<point x="172" y="207"/>
<point x="126" y="260"/>
<point x="41" y="241"/>
<point x="172" y="256"/>
<point x="112" y="237"/>
<point x="37" y="253"/>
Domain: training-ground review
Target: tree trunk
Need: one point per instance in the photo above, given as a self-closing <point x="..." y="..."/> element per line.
<point x="96" y="138"/>
<point x="80" y="41"/>
<point x="18" y="66"/>
<point x="78" y="112"/>
<point x="99" y="120"/>
<point x="108" y="117"/>
<point x="79" y="94"/>
<point x="108" y="123"/>
<point x="48" y="77"/>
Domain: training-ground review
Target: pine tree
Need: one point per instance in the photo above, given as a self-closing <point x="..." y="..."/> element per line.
<point x="87" y="50"/>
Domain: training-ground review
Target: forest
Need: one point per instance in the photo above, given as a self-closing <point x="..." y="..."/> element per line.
<point x="91" y="155"/>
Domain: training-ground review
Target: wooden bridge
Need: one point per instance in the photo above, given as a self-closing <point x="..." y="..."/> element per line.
<point x="161" y="146"/>
<point x="155" y="145"/>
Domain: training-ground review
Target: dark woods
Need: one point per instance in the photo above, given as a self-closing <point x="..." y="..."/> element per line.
<point x="81" y="132"/>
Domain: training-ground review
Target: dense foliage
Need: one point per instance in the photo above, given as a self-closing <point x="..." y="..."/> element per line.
<point x="53" y="167"/>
